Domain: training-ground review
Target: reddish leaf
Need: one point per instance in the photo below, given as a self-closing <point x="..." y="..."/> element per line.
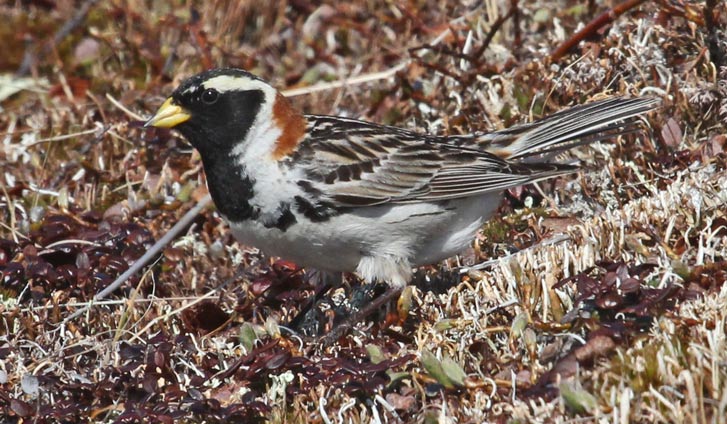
<point x="671" y="133"/>
<point x="21" y="408"/>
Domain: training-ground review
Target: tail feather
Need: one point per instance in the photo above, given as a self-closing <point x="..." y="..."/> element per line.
<point x="615" y="130"/>
<point x="569" y="128"/>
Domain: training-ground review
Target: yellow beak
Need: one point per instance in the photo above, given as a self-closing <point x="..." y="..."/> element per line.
<point x="169" y="115"/>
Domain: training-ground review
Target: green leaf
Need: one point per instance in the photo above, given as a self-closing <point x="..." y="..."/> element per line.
<point x="395" y="377"/>
<point x="434" y="369"/>
<point x="454" y="371"/>
<point x="444" y="324"/>
<point x="376" y="355"/>
<point x="518" y="325"/>
<point x="577" y="399"/>
<point x="247" y="336"/>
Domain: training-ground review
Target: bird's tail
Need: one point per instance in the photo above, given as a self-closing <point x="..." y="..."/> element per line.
<point x="572" y="127"/>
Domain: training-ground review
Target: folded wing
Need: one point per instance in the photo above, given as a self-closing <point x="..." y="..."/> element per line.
<point x="356" y="163"/>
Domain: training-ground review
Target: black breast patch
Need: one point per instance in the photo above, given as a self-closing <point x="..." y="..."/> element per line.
<point x="231" y="190"/>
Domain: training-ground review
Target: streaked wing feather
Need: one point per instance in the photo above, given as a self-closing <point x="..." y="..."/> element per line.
<point x="356" y="163"/>
<point x="400" y="168"/>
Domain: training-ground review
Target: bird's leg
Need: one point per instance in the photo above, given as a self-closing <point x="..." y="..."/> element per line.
<point x="327" y="281"/>
<point x="392" y="292"/>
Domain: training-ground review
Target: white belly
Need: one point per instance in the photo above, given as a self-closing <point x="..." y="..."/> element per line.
<point x="417" y="234"/>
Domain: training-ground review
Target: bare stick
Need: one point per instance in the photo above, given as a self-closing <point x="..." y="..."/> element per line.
<point x="715" y="53"/>
<point x="31" y="54"/>
<point x="493" y="30"/>
<point x="361" y="79"/>
<point x="124" y="108"/>
<point x="148" y="256"/>
<point x="589" y="30"/>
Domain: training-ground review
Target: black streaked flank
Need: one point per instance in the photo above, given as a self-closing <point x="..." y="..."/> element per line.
<point x="318" y="212"/>
<point x="282" y="219"/>
<point x="307" y="186"/>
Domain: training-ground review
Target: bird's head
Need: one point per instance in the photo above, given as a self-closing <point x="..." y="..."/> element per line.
<point x="219" y="110"/>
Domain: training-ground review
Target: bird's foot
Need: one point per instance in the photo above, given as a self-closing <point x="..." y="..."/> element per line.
<point x="342" y="328"/>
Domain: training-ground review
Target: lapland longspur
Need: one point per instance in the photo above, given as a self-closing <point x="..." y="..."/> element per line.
<point x="341" y="194"/>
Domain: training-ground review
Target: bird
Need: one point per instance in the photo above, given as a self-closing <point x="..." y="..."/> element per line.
<point x="345" y="195"/>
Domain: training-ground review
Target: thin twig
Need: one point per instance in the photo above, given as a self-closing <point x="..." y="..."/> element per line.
<point x="683" y="10"/>
<point x="361" y="79"/>
<point x="476" y="56"/>
<point x="558" y="238"/>
<point x="110" y="302"/>
<point x="31" y="54"/>
<point x="493" y="30"/>
<point x="124" y="108"/>
<point x="590" y="30"/>
<point x="170" y="314"/>
<point x="61" y="137"/>
<point x="715" y="53"/>
<point x="516" y="23"/>
<point x="442" y="50"/>
<point x="148" y="256"/>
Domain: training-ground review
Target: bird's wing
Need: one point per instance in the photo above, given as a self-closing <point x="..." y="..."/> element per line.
<point x="356" y="163"/>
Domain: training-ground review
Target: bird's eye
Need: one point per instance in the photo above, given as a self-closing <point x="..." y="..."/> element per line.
<point x="210" y="95"/>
